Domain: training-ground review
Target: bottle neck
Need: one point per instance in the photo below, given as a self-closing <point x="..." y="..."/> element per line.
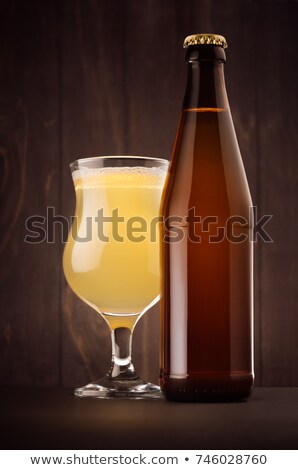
<point x="205" y="85"/>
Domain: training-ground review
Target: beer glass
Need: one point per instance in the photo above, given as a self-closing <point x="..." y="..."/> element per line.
<point x="111" y="258"/>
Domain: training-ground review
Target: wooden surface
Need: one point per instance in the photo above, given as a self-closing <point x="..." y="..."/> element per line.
<point x="55" y="419"/>
<point x="30" y="181"/>
<point x="89" y="77"/>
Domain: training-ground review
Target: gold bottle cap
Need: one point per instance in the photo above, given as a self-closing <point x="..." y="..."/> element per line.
<point x="213" y="39"/>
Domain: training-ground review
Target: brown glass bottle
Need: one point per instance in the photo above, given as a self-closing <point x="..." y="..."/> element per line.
<point x="207" y="296"/>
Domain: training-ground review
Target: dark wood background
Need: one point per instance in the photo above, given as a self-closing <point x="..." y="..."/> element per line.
<point x="91" y="77"/>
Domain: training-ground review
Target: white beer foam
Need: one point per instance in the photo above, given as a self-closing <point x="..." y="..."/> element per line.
<point x="85" y="172"/>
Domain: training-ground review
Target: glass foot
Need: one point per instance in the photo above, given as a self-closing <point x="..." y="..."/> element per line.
<point x="109" y="388"/>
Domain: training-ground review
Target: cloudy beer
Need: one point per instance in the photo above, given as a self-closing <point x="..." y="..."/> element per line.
<point x="111" y="259"/>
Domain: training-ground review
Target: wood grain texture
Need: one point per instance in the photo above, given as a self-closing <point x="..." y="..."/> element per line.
<point x="89" y="77"/>
<point x="29" y="151"/>
<point x="278" y="184"/>
<point x="93" y="123"/>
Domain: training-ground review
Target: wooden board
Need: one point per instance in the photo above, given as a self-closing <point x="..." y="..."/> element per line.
<point x="93" y="123"/>
<point x="278" y="184"/>
<point x="30" y="181"/>
<point x="80" y="78"/>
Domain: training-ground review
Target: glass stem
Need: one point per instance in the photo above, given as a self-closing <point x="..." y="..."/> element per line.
<point x="122" y="367"/>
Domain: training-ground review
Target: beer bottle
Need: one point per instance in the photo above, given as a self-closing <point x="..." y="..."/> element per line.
<point x="207" y="253"/>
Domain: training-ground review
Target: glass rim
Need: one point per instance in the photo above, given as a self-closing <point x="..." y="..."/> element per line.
<point x="80" y="161"/>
